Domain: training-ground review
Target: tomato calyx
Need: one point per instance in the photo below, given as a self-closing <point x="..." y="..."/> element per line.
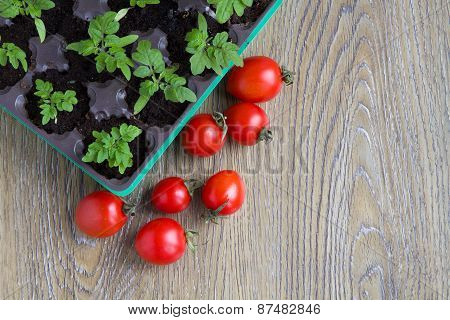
<point x="192" y="185"/>
<point x="213" y="215"/>
<point x="190" y="236"/>
<point x="220" y="119"/>
<point x="287" y="76"/>
<point x="265" y="135"/>
<point x="129" y="209"/>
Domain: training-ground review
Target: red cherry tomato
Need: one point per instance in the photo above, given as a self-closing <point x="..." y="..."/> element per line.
<point x="259" y="80"/>
<point x="100" y="214"/>
<point x="223" y="193"/>
<point x="161" y="241"/>
<point x="204" y="135"/>
<point x="173" y="195"/>
<point x="247" y="124"/>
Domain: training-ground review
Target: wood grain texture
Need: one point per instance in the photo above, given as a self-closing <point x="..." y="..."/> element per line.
<point x="351" y="201"/>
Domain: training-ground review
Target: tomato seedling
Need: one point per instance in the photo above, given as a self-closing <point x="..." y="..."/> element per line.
<point x="247" y="124"/>
<point x="113" y="147"/>
<point x="163" y="241"/>
<point x="158" y="77"/>
<point x="173" y="194"/>
<point x="259" y="80"/>
<point x="11" y="53"/>
<point x="51" y="102"/>
<point x="208" y="52"/>
<point x="223" y="194"/>
<point x="108" y="48"/>
<point x="204" y="135"/>
<point x="100" y="214"/>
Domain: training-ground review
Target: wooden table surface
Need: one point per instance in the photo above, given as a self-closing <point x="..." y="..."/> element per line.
<point x="351" y="200"/>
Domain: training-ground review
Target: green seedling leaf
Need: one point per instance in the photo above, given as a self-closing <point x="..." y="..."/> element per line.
<point x="121" y="14"/>
<point x="10" y="9"/>
<point x="114" y="41"/>
<point x="48" y="112"/>
<point x="151" y="58"/>
<point x="40" y="27"/>
<point x="142" y="3"/>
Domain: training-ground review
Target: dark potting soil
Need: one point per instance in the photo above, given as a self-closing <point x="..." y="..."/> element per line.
<point x="66" y="121"/>
<point x="73" y="29"/>
<point x="83" y="69"/>
<point x="143" y="19"/>
<point x="177" y="28"/>
<point x="137" y="146"/>
<point x="251" y="14"/>
<point x="14" y="34"/>
<point x="19" y="32"/>
<point x="58" y="17"/>
<point x="10" y="76"/>
<point x="158" y="112"/>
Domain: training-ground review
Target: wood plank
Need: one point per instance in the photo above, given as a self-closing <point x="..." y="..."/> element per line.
<point x="350" y="201"/>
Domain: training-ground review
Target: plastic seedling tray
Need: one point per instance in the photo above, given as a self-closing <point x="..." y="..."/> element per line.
<point x="70" y="144"/>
